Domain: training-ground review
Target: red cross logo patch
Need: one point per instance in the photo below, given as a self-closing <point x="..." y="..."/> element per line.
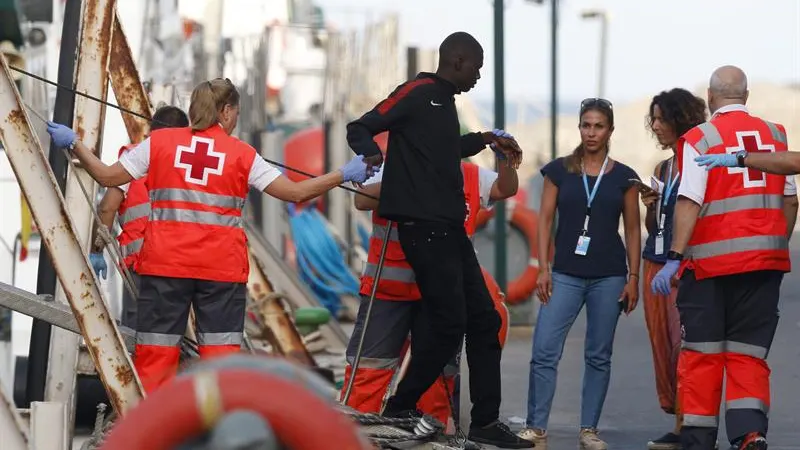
<point x="199" y="160"/>
<point x="751" y="142"/>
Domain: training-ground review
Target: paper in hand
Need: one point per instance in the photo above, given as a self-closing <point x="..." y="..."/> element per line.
<point x="656" y="184"/>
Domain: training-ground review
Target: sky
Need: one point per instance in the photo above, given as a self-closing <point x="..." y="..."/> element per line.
<point x="652" y="44"/>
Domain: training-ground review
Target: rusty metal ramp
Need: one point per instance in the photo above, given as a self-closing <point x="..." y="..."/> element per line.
<point x="43" y="307"/>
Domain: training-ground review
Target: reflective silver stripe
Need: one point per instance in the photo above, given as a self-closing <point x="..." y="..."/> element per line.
<point x="192" y="216"/>
<point x="755" y="201"/>
<point x="379" y="231"/>
<point x="188" y="195"/>
<point x="135" y="212"/>
<point x="696" y="420"/>
<point x="230" y="338"/>
<point x="158" y="339"/>
<point x="777" y="134"/>
<point x="391" y="273"/>
<point x="747" y="403"/>
<point x="746" y="349"/>
<point x="711" y="137"/>
<point x="737" y="245"/>
<point x="709" y="348"/>
<point x="133" y="247"/>
<point x="374" y="363"/>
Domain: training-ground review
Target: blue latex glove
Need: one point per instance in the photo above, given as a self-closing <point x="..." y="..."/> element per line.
<point x="356" y="170"/>
<point x="99" y="265"/>
<point x="500" y="133"/>
<point x="61" y="135"/>
<point x="716" y="160"/>
<point x="663" y="279"/>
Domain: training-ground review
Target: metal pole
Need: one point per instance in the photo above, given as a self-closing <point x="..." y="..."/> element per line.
<point x="499" y="123"/>
<point x="601" y="80"/>
<point x="46" y="283"/>
<point x="553" y="78"/>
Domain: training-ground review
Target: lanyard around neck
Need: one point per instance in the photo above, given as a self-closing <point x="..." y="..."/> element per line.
<point x="590" y="196"/>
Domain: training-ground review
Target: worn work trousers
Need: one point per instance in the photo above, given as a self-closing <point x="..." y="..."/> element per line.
<point x="729" y="323"/>
<point x="385" y="346"/>
<point x="664" y="327"/>
<point x="128" y="315"/>
<point x="163" y="312"/>
<point x="455" y="301"/>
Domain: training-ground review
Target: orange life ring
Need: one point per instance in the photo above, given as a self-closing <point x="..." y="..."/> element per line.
<point x="176" y="413"/>
<point x="526" y="221"/>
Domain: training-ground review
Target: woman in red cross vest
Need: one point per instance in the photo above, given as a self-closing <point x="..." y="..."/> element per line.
<point x="195" y="248"/>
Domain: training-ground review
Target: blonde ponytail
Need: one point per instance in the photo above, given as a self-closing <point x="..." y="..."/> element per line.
<point x="573" y="161"/>
<point x="208" y="100"/>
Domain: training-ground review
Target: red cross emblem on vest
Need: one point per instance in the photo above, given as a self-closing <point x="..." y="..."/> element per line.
<point x="199" y="160"/>
<point x="751" y="142"/>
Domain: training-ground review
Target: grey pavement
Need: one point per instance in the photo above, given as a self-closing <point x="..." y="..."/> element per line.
<point x="631" y="415"/>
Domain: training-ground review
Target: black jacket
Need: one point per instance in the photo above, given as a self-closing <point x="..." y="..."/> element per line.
<point x="422" y="178"/>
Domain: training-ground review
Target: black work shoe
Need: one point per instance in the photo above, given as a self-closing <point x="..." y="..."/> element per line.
<point x="499" y="435"/>
<point x="669" y="441"/>
<point x="751" y="441"/>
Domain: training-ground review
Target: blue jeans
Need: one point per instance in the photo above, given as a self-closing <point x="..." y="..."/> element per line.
<point x="601" y="296"/>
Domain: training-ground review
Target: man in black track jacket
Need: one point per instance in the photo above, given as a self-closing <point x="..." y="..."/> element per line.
<point x="423" y="192"/>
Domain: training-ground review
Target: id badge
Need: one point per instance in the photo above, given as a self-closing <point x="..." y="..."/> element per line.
<point x="659" y="244"/>
<point x="583" y="245"/>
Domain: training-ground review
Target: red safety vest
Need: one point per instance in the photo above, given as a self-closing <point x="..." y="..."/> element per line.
<point x="397" y="277"/>
<point x="198" y="185"/>
<point x="741" y="226"/>
<point x="132" y="215"/>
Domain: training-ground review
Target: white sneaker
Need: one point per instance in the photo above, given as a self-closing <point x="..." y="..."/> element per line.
<point x="538" y="437"/>
<point x="588" y="440"/>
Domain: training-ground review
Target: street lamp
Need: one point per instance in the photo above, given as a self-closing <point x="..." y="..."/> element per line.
<point x="603" y="16"/>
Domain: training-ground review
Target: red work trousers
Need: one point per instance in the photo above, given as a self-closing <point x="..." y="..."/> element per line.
<point x="728" y="324"/>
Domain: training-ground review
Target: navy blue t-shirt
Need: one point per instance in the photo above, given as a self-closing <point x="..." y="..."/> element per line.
<point x="606" y="255"/>
<point x="649" y="252"/>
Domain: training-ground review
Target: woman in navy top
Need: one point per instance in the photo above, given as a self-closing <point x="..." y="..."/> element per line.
<point x="672" y="113"/>
<point x="590" y="191"/>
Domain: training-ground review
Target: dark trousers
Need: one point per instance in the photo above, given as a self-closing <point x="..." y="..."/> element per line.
<point x="128" y="316"/>
<point x="455" y="301"/>
<point x="163" y="313"/>
<point x="728" y="324"/>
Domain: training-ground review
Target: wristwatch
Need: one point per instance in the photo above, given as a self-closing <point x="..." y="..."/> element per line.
<point x="674" y="255"/>
<point x="740" y="156"/>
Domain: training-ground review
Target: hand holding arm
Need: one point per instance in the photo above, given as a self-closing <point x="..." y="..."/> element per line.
<point x="356" y="170"/>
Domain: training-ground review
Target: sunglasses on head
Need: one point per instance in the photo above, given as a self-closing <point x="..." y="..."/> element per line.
<point x="592" y="102"/>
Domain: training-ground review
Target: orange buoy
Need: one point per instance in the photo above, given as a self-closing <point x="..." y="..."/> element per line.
<point x="499" y="304"/>
<point x="190" y="406"/>
<point x="524" y="220"/>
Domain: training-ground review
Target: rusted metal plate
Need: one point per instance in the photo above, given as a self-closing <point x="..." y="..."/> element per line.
<point x="91" y="78"/>
<point x="127" y="85"/>
<point x="38" y="184"/>
<point x="13" y="432"/>
<point x="279" y="329"/>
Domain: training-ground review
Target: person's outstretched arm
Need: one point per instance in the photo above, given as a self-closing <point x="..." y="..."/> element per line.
<point x="781" y="163"/>
<point x="283" y="188"/>
<point x="105" y="175"/>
